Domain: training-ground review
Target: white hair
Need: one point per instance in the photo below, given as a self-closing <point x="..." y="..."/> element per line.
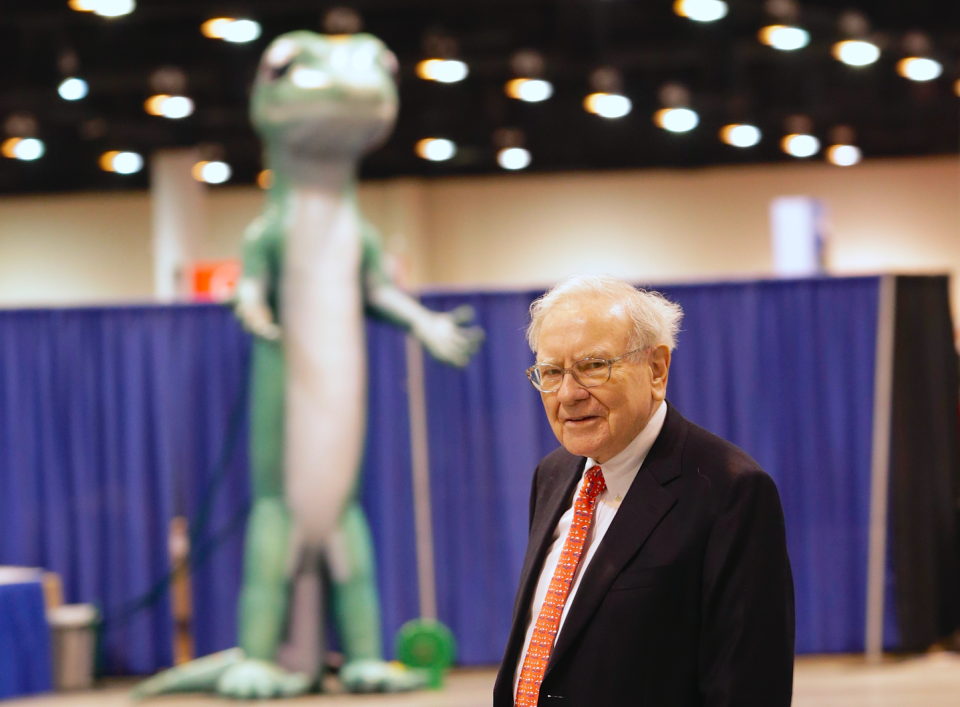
<point x="654" y="318"/>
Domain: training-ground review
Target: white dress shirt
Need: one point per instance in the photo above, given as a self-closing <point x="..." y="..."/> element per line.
<point x="618" y="473"/>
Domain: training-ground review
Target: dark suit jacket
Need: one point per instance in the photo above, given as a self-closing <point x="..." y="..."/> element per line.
<point x="689" y="597"/>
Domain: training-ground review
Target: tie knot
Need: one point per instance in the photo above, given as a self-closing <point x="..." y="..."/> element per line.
<point x="594" y="484"/>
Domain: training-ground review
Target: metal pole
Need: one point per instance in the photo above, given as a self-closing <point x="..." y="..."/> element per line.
<point x="419" y="455"/>
<point x="880" y="468"/>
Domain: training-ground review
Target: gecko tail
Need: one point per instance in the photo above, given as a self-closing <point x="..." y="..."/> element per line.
<point x="200" y="675"/>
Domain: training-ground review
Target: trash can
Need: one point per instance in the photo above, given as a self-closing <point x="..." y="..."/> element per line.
<point x="73" y="640"/>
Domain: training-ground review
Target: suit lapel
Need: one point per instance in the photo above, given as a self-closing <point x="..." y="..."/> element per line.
<point x="642" y="509"/>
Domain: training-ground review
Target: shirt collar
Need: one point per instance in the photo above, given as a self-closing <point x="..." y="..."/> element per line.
<point x="619" y="471"/>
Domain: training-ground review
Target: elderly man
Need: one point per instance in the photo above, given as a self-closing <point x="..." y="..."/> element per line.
<point x="656" y="571"/>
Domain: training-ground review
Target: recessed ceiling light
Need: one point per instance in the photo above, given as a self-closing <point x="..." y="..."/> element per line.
<point x="213" y="172"/>
<point x="844" y="155"/>
<point x="174" y="107"/>
<point x="856" y="52"/>
<point x="608" y="105"/>
<point x="72" y="89"/>
<point x="26" y="148"/>
<point x="676" y="120"/>
<point x="919" y="68"/>
<point x="104" y="8"/>
<point x="513" y="158"/>
<point x="529" y="90"/>
<point x="442" y="70"/>
<point x="740" y="135"/>
<point x="800" y="145"/>
<point x="784" y="37"/>
<point x="701" y="10"/>
<point x="436" y="149"/>
<point x="121" y="162"/>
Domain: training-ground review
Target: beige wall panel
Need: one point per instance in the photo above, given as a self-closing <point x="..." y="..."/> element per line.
<point x="670" y="225"/>
<point x="229" y="211"/>
<point x="75" y="249"/>
<point x="524" y="230"/>
<point x="395" y="207"/>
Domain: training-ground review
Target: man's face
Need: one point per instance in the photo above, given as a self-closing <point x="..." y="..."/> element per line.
<point x="599" y="422"/>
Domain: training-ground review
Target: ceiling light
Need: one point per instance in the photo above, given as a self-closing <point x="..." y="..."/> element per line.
<point x="231" y="30"/>
<point x="529" y="90"/>
<point x="856" y="52"/>
<point x="72" y="89"/>
<point x="513" y="158"/>
<point x="305" y="77"/>
<point x="676" y="120"/>
<point x="114" y="8"/>
<point x="121" y="162"/>
<point x="174" y="107"/>
<point x="740" y="135"/>
<point x="436" y="149"/>
<point x="608" y="105"/>
<point x="240" y="31"/>
<point x="215" y="172"/>
<point x="216" y="28"/>
<point x="784" y="37"/>
<point x="800" y="145"/>
<point x="26" y="149"/>
<point x="701" y="10"/>
<point x="844" y="155"/>
<point x="104" y="8"/>
<point x="919" y="69"/>
<point x="442" y="70"/>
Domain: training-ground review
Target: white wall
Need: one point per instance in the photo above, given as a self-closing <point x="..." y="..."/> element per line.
<point x="665" y="226"/>
<point x="519" y="230"/>
<point x="68" y="249"/>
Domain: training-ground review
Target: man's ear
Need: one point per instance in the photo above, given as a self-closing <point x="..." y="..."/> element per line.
<point x="659" y="362"/>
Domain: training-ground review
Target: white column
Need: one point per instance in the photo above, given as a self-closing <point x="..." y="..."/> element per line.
<point x="797" y="236"/>
<point x="178" y="203"/>
<point x="880" y="467"/>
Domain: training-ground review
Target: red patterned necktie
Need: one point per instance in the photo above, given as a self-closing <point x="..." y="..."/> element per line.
<point x="545" y="631"/>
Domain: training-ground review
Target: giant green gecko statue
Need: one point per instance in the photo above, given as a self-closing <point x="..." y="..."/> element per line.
<point x="312" y="268"/>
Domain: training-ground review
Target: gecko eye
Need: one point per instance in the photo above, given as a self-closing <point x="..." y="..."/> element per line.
<point x="279" y="58"/>
<point x="278" y="72"/>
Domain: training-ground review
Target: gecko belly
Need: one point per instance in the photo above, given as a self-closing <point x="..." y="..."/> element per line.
<point x="325" y="351"/>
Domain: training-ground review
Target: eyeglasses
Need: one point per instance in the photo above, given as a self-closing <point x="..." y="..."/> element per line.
<point x="588" y="372"/>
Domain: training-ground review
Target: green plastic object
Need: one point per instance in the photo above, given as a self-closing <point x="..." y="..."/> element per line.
<point x="429" y="645"/>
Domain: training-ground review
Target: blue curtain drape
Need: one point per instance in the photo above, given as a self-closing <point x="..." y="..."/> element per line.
<point x="86" y="418"/>
<point x="783" y="369"/>
<point x="25" y="660"/>
<point x="113" y="420"/>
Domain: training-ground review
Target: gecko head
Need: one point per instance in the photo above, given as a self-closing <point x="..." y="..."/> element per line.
<point x="325" y="95"/>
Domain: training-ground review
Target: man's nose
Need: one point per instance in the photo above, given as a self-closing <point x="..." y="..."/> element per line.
<point x="570" y="390"/>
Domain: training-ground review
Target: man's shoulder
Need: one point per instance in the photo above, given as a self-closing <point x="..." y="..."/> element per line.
<point x="703" y="445"/>
<point x="721" y="462"/>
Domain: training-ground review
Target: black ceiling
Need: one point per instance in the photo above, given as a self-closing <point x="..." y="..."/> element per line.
<point x="730" y="76"/>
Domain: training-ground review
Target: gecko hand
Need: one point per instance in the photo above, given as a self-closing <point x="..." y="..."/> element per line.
<point x="254" y="312"/>
<point x="446" y="337"/>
